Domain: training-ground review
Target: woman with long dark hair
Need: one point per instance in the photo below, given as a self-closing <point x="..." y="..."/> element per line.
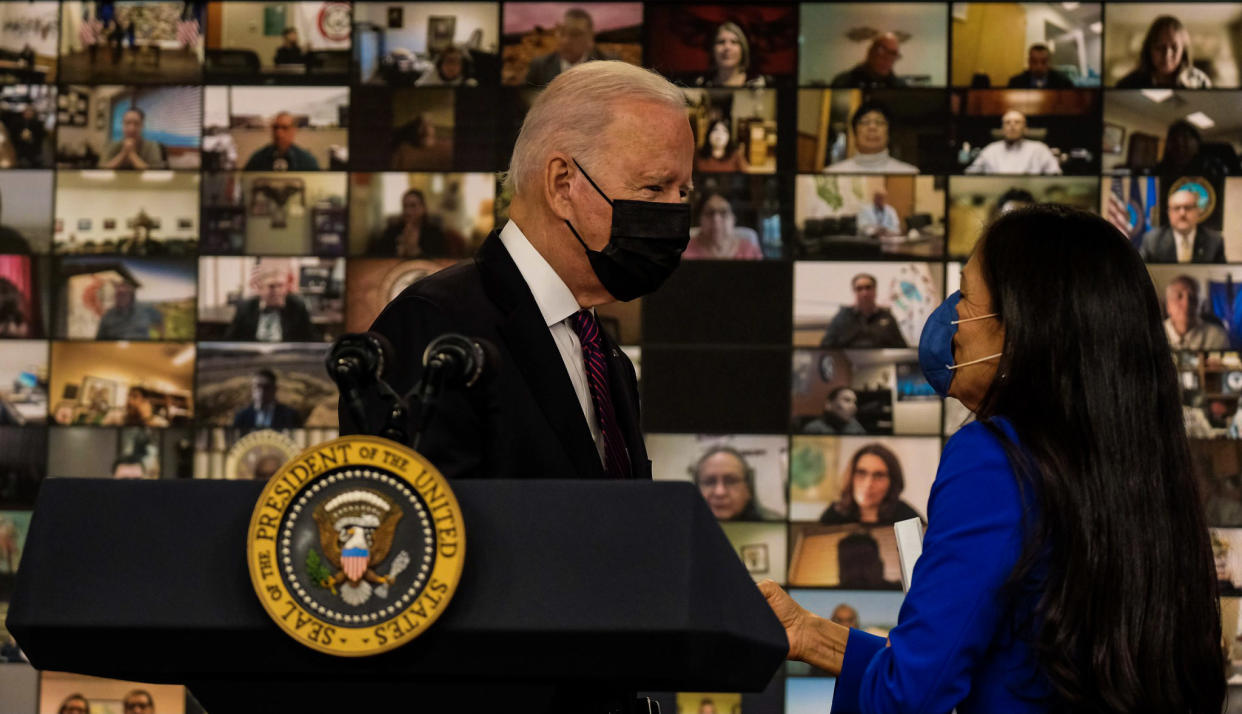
<point x="415" y="234"/>
<point x="1165" y="59"/>
<point x="1067" y="564"/>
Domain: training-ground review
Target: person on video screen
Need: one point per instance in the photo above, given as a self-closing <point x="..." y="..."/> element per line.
<point x="289" y="51"/>
<point x="1039" y="73"/>
<point x="877" y="70"/>
<point x="72" y="704"/>
<point x="14" y="313"/>
<point x="29" y="134"/>
<point x="878" y="219"/>
<point x="263" y="411"/>
<point x="128" y="319"/>
<point x="1184" y="327"/>
<point x="871" y="123"/>
<point x="451" y="69"/>
<point x="1183" y="240"/>
<point x="727" y="483"/>
<point x="717" y="235"/>
<point x="282" y="154"/>
<point x="415" y="234"/>
<point x="1165" y="59"/>
<point x="139" y="410"/>
<point x="872" y="490"/>
<point x="575" y="44"/>
<point x="865" y="323"/>
<point x="1014" y="153"/>
<point x="838" y="417"/>
<point x="274" y="314"/>
<point x="730" y="56"/>
<point x="132" y="151"/>
<point x="720" y="153"/>
<point x="1184" y="155"/>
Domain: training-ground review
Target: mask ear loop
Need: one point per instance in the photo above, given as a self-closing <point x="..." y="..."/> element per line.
<point x="981" y="359"/>
<point x="609" y="200"/>
<point x="972" y="319"/>
<point x="592" y="182"/>
<point x="973" y="361"/>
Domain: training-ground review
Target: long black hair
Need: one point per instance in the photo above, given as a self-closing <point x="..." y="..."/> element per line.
<point x="1127" y="617"/>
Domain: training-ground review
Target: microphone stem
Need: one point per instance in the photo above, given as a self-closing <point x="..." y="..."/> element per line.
<point x="429" y="389"/>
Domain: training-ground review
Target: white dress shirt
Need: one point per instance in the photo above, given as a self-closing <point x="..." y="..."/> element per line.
<point x="557" y="305"/>
<point x="870" y="217"/>
<point x="1024" y="156"/>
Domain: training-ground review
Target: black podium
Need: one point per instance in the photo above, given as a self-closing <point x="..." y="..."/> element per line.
<point x="573" y="594"/>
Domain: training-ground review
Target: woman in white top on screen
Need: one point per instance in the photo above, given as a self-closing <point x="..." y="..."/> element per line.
<point x="870" y="124"/>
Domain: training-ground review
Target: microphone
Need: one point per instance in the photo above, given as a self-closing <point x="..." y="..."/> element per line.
<point x="357" y="361"/>
<point x="360" y="357"/>
<point x="450" y="361"/>
<point x="457" y="360"/>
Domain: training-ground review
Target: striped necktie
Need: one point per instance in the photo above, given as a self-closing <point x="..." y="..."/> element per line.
<point x="616" y="459"/>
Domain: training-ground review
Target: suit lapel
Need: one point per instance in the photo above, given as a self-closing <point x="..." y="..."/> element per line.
<point x="530" y="344"/>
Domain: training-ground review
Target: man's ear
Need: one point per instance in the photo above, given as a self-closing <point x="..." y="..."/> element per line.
<point x="558" y="175"/>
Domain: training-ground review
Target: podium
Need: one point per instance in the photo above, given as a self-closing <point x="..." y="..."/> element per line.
<point x="574" y="595"/>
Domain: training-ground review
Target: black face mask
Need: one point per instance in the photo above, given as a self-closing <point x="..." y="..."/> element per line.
<point x="647" y="241"/>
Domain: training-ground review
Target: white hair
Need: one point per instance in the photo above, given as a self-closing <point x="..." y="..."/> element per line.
<point x="572" y="113"/>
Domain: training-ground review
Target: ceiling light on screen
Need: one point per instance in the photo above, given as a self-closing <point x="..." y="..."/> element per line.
<point x="1097" y="27"/>
<point x="1201" y="120"/>
<point x="1156" y="95"/>
<point x="1070" y="5"/>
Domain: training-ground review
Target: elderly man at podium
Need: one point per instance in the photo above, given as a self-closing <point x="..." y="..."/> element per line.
<point x="600" y="172"/>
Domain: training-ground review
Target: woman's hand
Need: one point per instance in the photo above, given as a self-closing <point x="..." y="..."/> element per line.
<point x="794" y="618"/>
<point x="812" y="639"/>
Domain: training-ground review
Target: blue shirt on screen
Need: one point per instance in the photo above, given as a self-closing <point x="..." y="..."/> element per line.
<point x="953" y="645"/>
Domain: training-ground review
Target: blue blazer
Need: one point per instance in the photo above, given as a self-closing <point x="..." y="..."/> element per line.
<point x="953" y="644"/>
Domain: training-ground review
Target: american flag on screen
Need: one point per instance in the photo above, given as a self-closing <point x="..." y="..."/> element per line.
<point x="187" y="32"/>
<point x="1132" y="215"/>
<point x="89" y="32"/>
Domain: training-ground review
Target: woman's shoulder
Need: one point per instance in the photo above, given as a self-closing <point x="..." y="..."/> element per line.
<point x="977" y="452"/>
<point x="1135" y="79"/>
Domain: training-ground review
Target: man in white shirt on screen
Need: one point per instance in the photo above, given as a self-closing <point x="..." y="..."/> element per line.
<point x="1014" y="153"/>
<point x="878" y="219"/>
<point x="1183" y="327"/>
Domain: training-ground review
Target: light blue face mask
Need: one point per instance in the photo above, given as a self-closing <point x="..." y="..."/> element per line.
<point x="936" y="344"/>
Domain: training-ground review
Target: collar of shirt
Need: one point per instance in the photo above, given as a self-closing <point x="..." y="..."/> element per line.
<point x="566" y="65"/>
<point x="1187" y="239"/>
<point x="556" y="302"/>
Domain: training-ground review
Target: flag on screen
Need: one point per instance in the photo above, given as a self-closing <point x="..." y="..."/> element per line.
<point x="187" y="32"/>
<point x="1118" y="212"/>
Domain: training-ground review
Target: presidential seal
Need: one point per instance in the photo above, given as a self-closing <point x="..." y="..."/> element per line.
<point x="259" y="455"/>
<point x="356" y="546"/>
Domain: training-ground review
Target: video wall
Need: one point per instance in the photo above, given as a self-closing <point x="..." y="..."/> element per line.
<point x="197" y="197"/>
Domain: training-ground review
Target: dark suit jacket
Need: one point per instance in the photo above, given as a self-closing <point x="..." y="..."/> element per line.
<point x="283" y="417"/>
<point x="1159" y="246"/>
<point x="523" y="419"/>
<point x="295" y="321"/>
<point x="543" y="69"/>
<point x="1056" y="80"/>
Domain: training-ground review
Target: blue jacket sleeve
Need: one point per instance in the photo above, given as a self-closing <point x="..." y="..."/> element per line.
<point x="953" y="609"/>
